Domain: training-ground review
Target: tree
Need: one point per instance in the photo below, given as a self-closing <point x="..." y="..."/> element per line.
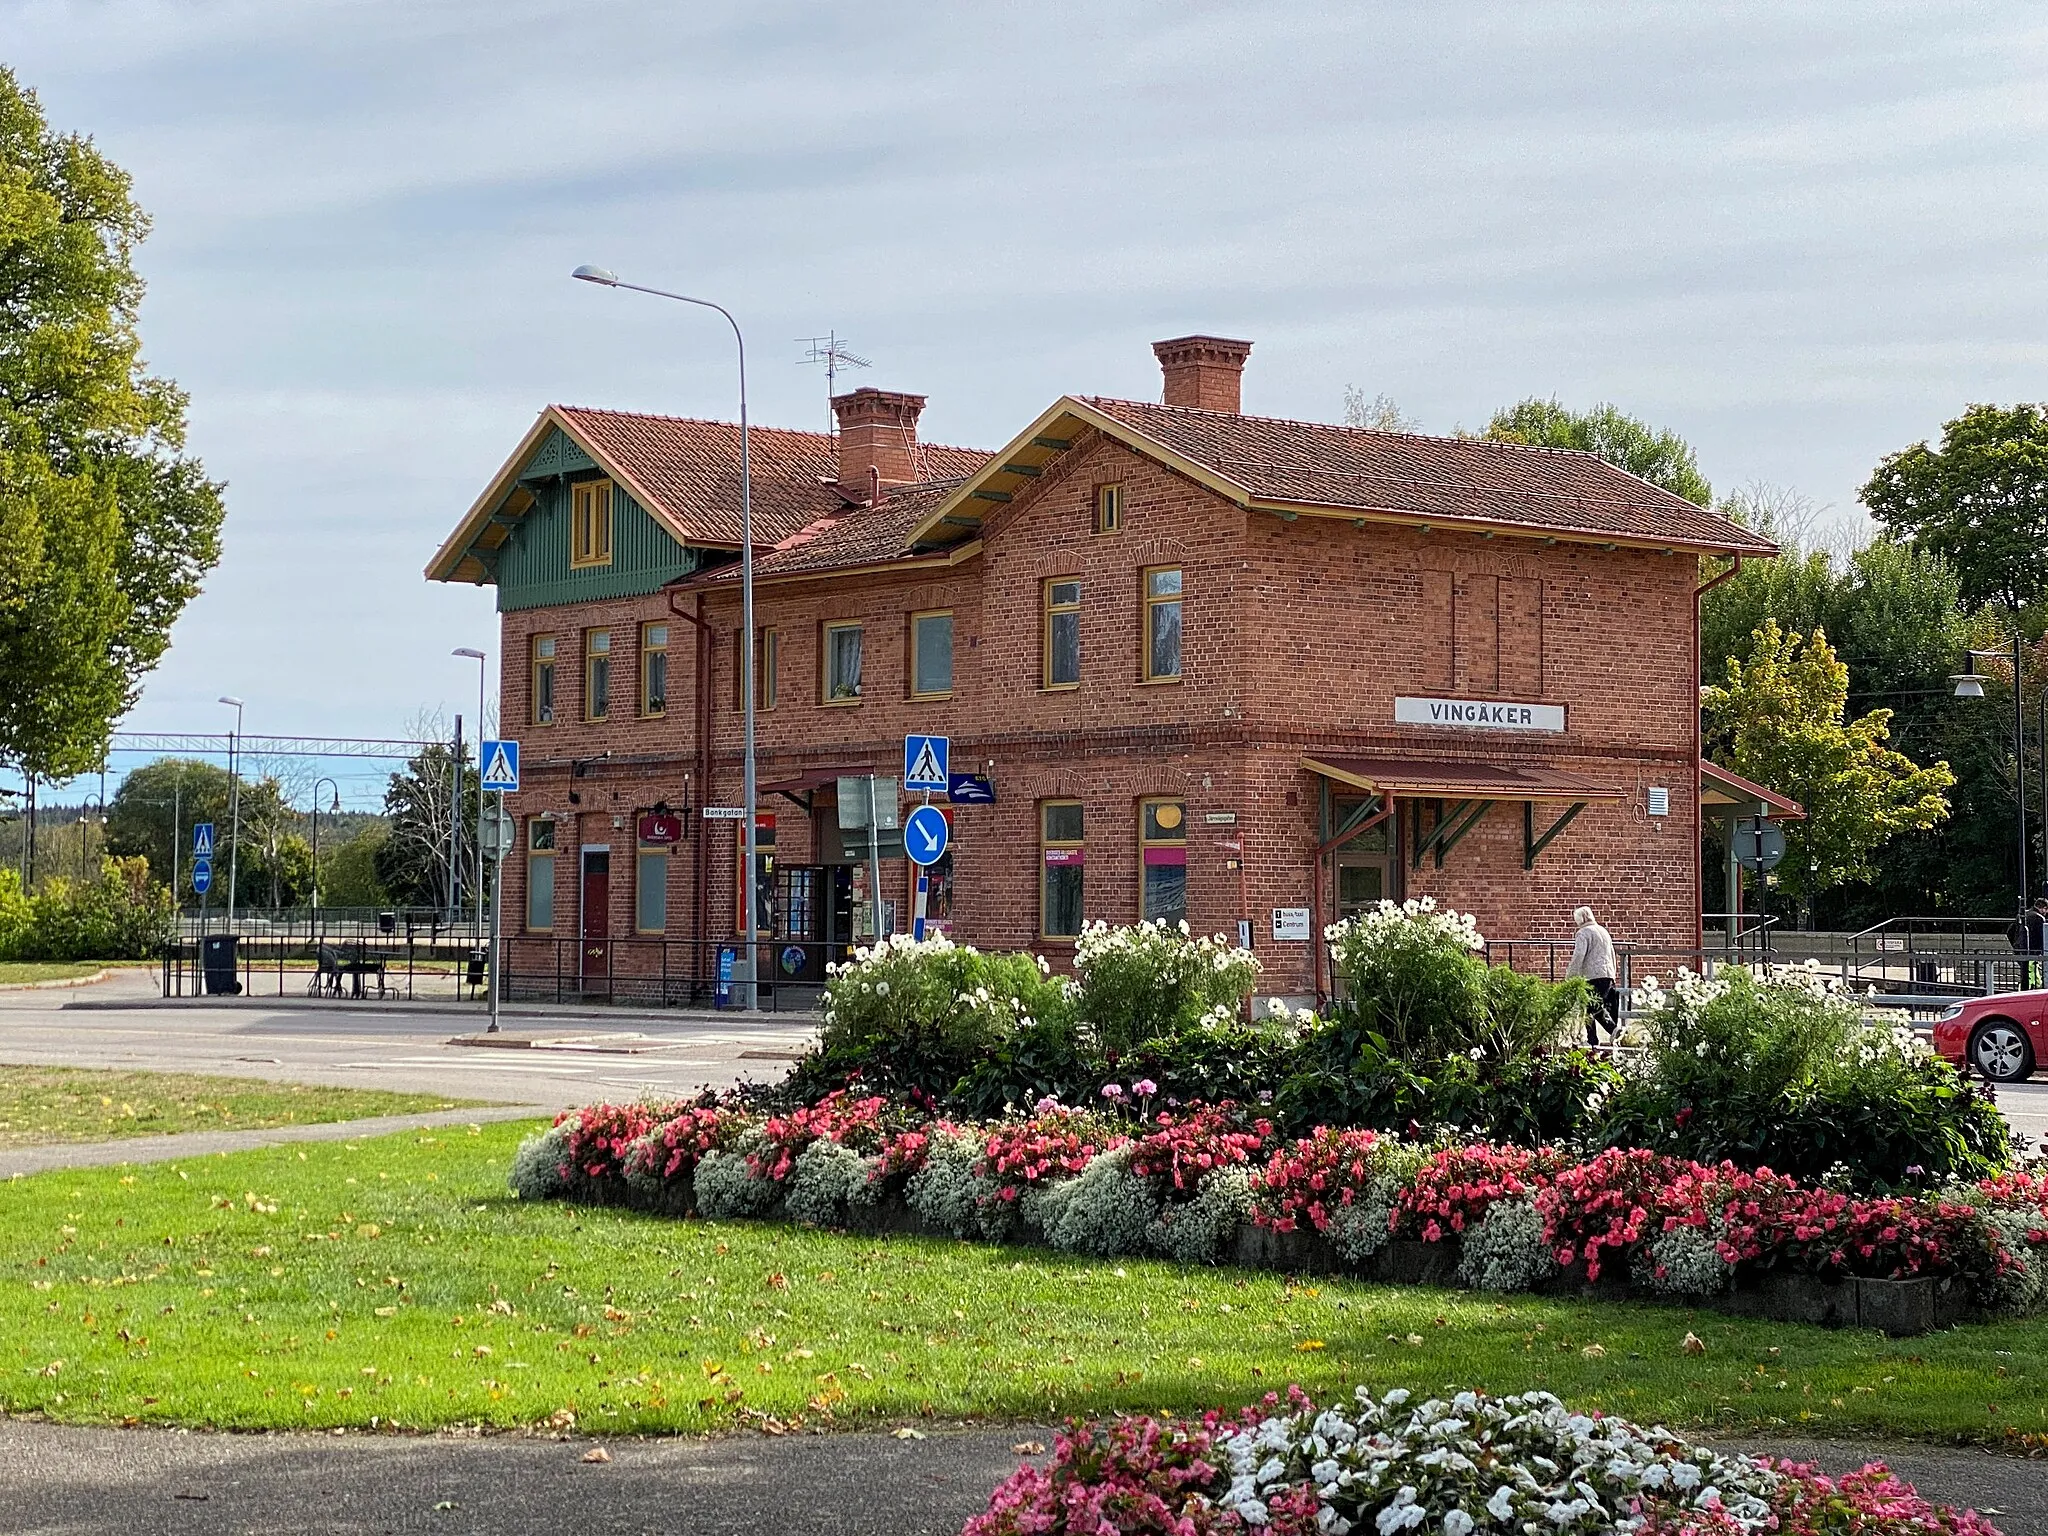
<point x="106" y="528"/>
<point x="348" y="872"/>
<point x="140" y="811"/>
<point x="412" y="863"/>
<point x="1379" y="414"/>
<point x="1780" y="719"/>
<point x="1979" y="501"/>
<point x="1650" y="453"/>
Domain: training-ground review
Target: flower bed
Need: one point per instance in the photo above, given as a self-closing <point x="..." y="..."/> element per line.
<point x="1391" y="1465"/>
<point x="1212" y="1184"/>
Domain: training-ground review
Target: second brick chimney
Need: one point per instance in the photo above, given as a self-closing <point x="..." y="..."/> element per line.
<point x="878" y="431"/>
<point x="1203" y="371"/>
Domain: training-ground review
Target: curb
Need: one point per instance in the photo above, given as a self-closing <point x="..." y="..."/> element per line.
<point x="45" y="986"/>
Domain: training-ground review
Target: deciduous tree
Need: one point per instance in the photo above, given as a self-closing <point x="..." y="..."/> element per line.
<point x="106" y="527"/>
<point x="1781" y="719"/>
<point x="1661" y="457"/>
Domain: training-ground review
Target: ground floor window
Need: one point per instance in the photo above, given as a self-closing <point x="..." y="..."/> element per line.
<point x="540" y="875"/>
<point x="1062" y="860"/>
<point x="650" y="891"/>
<point x="1163" y="853"/>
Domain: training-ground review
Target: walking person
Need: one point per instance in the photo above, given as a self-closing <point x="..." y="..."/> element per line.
<point x="1593" y="958"/>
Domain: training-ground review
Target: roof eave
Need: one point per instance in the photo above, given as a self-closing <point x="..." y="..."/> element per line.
<point x="1558" y="533"/>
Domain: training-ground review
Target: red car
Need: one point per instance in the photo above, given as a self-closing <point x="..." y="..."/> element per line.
<point x="2002" y="1037"/>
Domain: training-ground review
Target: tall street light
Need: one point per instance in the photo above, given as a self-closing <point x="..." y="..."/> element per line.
<point x="1970" y="685"/>
<point x="234" y="802"/>
<point x="478" y="657"/>
<point x="336" y="789"/>
<point x="749" y="992"/>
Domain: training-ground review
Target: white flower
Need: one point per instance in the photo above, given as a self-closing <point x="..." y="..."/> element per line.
<point x="1457" y="1523"/>
<point x="1502" y="1504"/>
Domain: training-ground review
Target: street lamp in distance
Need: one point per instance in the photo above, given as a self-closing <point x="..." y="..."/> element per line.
<point x="471" y="653"/>
<point x="234" y="802"/>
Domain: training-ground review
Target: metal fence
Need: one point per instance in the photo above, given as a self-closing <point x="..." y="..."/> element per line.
<point x="374" y="925"/>
<point x="272" y="965"/>
<point x="670" y="973"/>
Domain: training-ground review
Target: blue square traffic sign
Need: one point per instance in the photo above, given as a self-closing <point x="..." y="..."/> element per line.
<point x="202" y="839"/>
<point x="500" y="761"/>
<point x="924" y="762"/>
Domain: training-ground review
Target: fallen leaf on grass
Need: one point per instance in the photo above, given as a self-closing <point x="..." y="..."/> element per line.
<point x="1694" y="1344"/>
<point x="1595" y="1351"/>
<point x="907" y="1433"/>
<point x="597" y="1453"/>
<point x="1028" y="1448"/>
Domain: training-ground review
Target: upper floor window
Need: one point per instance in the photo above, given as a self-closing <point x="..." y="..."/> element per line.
<point x="597" y="673"/>
<point x="842" y="660"/>
<point x="590" y="504"/>
<point x="931" y="655"/>
<point x="1163" y="853"/>
<point x="1062" y="663"/>
<point x="653" y="669"/>
<point x="1109" y="508"/>
<point x="544" y="680"/>
<point x="1162" y="624"/>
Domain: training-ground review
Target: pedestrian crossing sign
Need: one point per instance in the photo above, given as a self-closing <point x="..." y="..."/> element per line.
<point x="202" y="839"/>
<point x="501" y="766"/>
<point x="924" y="762"/>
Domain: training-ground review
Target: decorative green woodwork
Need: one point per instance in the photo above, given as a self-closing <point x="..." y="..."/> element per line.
<point x="532" y="567"/>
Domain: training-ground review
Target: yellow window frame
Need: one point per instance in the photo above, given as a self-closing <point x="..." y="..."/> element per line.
<point x="1048" y="609"/>
<point x="915" y="619"/>
<point x="590" y="522"/>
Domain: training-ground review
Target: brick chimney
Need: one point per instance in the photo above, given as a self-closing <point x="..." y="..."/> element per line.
<point x="1203" y="371"/>
<point x="878" y="431"/>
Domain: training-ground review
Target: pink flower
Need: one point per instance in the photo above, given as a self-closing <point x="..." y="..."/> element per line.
<point x="1112" y="1091"/>
<point x="1144" y="1087"/>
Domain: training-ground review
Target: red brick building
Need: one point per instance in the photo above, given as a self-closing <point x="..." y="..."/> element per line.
<point x="1218" y="666"/>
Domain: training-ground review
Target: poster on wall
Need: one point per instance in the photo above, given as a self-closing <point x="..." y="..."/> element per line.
<point x="1290" y="925"/>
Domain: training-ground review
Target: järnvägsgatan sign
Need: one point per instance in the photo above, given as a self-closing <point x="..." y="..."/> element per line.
<point x="1487" y="714"/>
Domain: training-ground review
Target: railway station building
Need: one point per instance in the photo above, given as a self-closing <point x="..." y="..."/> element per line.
<point x="1248" y="672"/>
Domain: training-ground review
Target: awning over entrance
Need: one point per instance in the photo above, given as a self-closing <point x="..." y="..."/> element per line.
<point x="1728" y="794"/>
<point x="1464" y="789"/>
<point x="800" y="786"/>
<point x="1469" y="779"/>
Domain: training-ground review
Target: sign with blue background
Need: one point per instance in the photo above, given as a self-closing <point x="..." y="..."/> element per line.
<point x="501" y="766"/>
<point x="202" y="839"/>
<point x="202" y="876"/>
<point x="925" y="834"/>
<point x="971" y="789"/>
<point x="924" y="762"/>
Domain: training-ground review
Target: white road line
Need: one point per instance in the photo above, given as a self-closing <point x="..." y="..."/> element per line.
<point x="482" y="1066"/>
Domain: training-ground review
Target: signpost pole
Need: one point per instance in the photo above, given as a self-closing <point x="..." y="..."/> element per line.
<point x="497" y="870"/>
<point x="874" y="867"/>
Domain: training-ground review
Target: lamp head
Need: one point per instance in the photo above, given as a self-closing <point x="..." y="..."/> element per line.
<point x="589" y="274"/>
<point x="230" y="700"/>
<point x="469" y="651"/>
<point x="1967" y="685"/>
<point x="337" y="801"/>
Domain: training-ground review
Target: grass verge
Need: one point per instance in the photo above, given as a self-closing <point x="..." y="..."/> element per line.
<point x="394" y="1283"/>
<point x="14" y="973"/>
<point x="40" y="1106"/>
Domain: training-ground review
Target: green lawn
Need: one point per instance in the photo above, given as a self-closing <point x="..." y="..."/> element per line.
<point x="394" y="1282"/>
<point x="40" y="1105"/>
<point x="17" y="972"/>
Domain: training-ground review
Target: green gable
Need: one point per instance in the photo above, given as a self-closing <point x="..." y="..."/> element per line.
<point x="532" y="567"/>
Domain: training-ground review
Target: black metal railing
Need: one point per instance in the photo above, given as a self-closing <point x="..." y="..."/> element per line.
<point x="670" y="973"/>
<point x="447" y="969"/>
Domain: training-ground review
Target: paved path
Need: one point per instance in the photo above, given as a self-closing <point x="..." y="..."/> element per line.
<point x="16" y="1162"/>
<point x="591" y="1053"/>
<point x="66" y="1482"/>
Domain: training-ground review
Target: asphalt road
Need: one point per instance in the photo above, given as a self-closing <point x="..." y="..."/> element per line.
<point x="579" y="1054"/>
<point x="60" y="1481"/>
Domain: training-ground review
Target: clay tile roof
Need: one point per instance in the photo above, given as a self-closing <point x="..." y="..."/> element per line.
<point x="1444" y="478"/>
<point x="854" y="537"/>
<point x="690" y="469"/>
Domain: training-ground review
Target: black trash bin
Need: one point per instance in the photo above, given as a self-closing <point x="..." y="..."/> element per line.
<point x="217" y="960"/>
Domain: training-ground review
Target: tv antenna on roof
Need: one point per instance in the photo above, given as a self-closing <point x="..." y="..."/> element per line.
<point x="834" y="354"/>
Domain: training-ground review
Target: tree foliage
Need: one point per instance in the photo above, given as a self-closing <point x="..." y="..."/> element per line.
<point x="274" y="866"/>
<point x="106" y="527"/>
<point x="1651" y="453"/>
<point x="412" y="862"/>
<point x="1781" y="719"/>
<point x="1979" y="501"/>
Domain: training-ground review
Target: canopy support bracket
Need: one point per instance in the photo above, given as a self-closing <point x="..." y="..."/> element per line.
<point x="1449" y="831"/>
<point x="1532" y="845"/>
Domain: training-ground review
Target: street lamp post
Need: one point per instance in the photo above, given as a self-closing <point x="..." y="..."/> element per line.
<point x="749" y="991"/>
<point x="336" y="789"/>
<point x="234" y="803"/>
<point x="84" y="823"/>
<point x="478" y="657"/>
<point x="1970" y="685"/>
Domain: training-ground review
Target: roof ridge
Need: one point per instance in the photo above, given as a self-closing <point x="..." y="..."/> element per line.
<point x="752" y="426"/>
<point x="1341" y="426"/>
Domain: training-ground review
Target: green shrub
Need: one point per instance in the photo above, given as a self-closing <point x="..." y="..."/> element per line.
<point x="1155" y="980"/>
<point x="1413" y="977"/>
<point x="922" y="1014"/>
<point x="1044" y="1058"/>
<point x="122" y="915"/>
<point x="1783" y="1071"/>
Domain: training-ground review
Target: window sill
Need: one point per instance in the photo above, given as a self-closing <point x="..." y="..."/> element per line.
<point x="654" y="714"/>
<point x="930" y="698"/>
<point x="590" y="565"/>
<point x="1059" y="687"/>
<point x="1159" y="682"/>
<point x="837" y="703"/>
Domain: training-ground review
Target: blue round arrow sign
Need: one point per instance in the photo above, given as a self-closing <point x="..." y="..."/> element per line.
<point x="925" y="835"/>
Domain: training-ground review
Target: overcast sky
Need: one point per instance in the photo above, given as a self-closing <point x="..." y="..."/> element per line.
<point x="1802" y="235"/>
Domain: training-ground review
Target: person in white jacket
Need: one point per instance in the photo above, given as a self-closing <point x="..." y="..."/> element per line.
<point x="1593" y="958"/>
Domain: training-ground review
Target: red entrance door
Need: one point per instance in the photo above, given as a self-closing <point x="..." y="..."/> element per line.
<point x="597" y="923"/>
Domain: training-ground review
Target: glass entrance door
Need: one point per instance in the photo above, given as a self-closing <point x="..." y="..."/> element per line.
<point x="1364" y="869"/>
